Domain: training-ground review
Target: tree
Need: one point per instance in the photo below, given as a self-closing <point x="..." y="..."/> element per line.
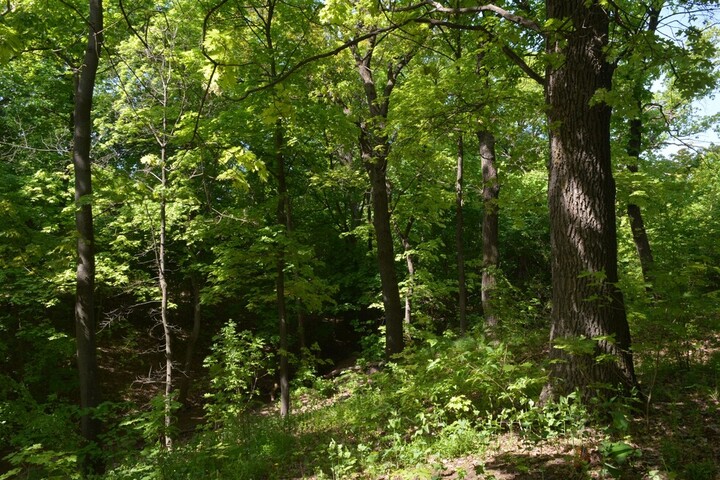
<point x="85" y="300"/>
<point x="587" y="304"/>
<point x="491" y="257"/>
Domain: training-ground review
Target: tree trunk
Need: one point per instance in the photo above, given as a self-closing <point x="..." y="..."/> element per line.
<point x="162" y="277"/>
<point x="85" y="289"/>
<point x="491" y="257"/>
<point x="374" y="148"/>
<point x="410" y="262"/>
<point x="283" y="219"/>
<point x="637" y="224"/>
<point x="394" y="340"/>
<point x="186" y="380"/>
<point x="581" y="198"/>
<point x="634" y="148"/>
<point x="459" y="242"/>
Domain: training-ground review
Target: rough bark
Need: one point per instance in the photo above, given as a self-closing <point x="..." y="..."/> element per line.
<point x="491" y="191"/>
<point x="85" y="289"/>
<point x="459" y="242"/>
<point x="581" y="198"/>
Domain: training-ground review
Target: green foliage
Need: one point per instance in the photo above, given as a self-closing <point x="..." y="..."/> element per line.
<point x="30" y="430"/>
<point x="238" y="360"/>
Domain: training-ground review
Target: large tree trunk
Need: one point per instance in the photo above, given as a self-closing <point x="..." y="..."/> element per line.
<point x="491" y="191"/>
<point x="459" y="241"/>
<point x="581" y="197"/>
<point x="85" y="299"/>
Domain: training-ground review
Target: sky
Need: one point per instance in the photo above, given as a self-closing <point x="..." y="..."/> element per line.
<point x="704" y="107"/>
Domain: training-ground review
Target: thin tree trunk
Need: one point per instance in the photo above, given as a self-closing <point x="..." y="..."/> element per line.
<point x="637" y="224"/>
<point x="374" y="148"/>
<point x="491" y="257"/>
<point x="162" y="276"/>
<point x="302" y="338"/>
<point x="283" y="219"/>
<point x="634" y="148"/>
<point x="85" y="289"/>
<point x="186" y="380"/>
<point x="394" y="340"/>
<point x="410" y="262"/>
<point x="459" y="241"/>
<point x="581" y="198"/>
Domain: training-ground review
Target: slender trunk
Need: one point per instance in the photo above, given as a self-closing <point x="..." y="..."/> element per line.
<point x="410" y="262"/>
<point x="637" y="224"/>
<point x="634" y="148"/>
<point x="302" y="339"/>
<point x="186" y="380"/>
<point x="394" y="340"/>
<point x="164" y="299"/>
<point x="85" y="289"/>
<point x="459" y="242"/>
<point x="283" y="219"/>
<point x="374" y="148"/>
<point x="491" y="257"/>
<point x="581" y="196"/>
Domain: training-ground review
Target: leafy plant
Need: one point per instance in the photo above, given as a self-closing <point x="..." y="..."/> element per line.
<point x="238" y="360"/>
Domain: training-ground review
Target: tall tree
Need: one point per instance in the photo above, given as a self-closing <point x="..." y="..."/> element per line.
<point x="85" y="292"/>
<point x="587" y="304"/>
<point x="375" y="147"/>
<point x="490" y="233"/>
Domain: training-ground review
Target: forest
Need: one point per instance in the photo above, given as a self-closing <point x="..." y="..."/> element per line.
<point x="359" y="239"/>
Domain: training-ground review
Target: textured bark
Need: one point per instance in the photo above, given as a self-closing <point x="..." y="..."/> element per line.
<point x="374" y="148"/>
<point x="459" y="242"/>
<point x="581" y="197"/>
<point x="85" y="289"/>
<point x="491" y="191"/>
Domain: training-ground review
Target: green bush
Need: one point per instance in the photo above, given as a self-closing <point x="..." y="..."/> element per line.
<point x="238" y="360"/>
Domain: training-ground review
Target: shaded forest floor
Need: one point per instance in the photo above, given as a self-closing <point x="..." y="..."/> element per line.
<point x="459" y="409"/>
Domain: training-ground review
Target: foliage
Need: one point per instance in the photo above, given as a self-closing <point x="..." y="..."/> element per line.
<point x="236" y="364"/>
<point x="197" y="92"/>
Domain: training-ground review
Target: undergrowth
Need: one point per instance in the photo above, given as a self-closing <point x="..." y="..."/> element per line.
<point x="442" y="398"/>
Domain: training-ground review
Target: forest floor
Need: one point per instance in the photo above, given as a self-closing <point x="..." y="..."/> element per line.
<point x="675" y="434"/>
